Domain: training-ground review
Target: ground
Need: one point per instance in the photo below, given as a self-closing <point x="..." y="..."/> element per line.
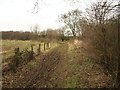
<point x="65" y="66"/>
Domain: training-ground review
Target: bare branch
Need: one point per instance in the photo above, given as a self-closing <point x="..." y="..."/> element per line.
<point x="35" y="8"/>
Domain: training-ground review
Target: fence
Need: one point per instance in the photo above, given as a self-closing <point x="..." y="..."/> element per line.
<point x="23" y="57"/>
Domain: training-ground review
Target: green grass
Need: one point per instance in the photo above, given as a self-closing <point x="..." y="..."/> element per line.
<point x="73" y="82"/>
<point x="80" y="66"/>
<point x="87" y="61"/>
<point x="31" y="65"/>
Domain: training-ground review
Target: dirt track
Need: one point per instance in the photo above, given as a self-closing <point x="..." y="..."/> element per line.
<point x="41" y="75"/>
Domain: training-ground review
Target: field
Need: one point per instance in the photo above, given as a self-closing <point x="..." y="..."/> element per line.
<point x="8" y="46"/>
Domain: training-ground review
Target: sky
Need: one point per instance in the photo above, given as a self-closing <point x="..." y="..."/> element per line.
<point x="16" y="14"/>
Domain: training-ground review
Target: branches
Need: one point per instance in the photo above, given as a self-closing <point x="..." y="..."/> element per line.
<point x="101" y="11"/>
<point x="71" y="20"/>
<point x="36" y="7"/>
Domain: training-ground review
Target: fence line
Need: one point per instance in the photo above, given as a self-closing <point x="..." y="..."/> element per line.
<point x="24" y="56"/>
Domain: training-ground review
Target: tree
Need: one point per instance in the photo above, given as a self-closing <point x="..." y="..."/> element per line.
<point x="35" y="29"/>
<point x="71" y="20"/>
<point x="99" y="14"/>
<point x="51" y="34"/>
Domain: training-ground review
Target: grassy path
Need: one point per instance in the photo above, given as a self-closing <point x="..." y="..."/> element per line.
<point x="77" y="69"/>
<point x="82" y="71"/>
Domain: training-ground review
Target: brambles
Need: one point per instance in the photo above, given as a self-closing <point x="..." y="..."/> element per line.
<point x="19" y="58"/>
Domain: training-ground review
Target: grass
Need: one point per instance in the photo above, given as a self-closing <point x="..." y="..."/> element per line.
<point x="73" y="82"/>
<point x="87" y="61"/>
<point x="17" y="43"/>
<point x="79" y="66"/>
<point x="8" y="46"/>
<point x="31" y="65"/>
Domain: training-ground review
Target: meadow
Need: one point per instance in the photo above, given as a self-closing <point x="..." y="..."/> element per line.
<point x="8" y="46"/>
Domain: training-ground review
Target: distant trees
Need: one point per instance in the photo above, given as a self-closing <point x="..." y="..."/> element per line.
<point x="64" y="36"/>
<point x="16" y="35"/>
<point x="35" y="29"/>
<point x="46" y="35"/>
<point x="52" y="35"/>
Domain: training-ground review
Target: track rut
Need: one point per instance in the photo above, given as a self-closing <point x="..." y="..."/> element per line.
<point x="40" y="75"/>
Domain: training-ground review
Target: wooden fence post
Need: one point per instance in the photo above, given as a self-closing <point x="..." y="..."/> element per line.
<point x="39" y="49"/>
<point x="32" y="52"/>
<point x="16" y="59"/>
<point x="32" y="47"/>
<point x="47" y="45"/>
<point x="17" y="51"/>
<point x="44" y="46"/>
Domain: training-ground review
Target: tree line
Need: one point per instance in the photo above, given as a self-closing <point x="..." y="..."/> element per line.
<point x="17" y="35"/>
<point x="47" y="35"/>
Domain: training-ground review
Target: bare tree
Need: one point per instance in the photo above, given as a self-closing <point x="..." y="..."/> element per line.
<point x="35" y="29"/>
<point x="71" y="20"/>
<point x="99" y="14"/>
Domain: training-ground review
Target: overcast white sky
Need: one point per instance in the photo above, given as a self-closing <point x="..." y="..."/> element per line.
<point x="15" y="14"/>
